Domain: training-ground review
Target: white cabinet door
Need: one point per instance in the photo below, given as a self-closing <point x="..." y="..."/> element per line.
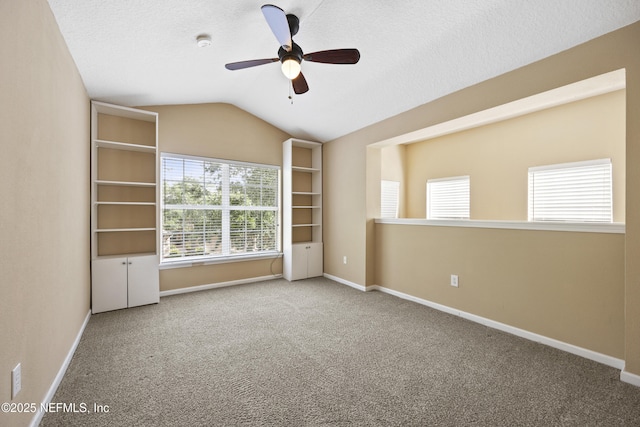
<point x="299" y="261"/>
<point x="144" y="283"/>
<point x="108" y="284"/>
<point x="306" y="260"/>
<point x="314" y="260"/>
<point x="124" y="282"/>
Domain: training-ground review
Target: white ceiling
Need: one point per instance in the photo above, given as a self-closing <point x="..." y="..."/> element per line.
<point x="144" y="52"/>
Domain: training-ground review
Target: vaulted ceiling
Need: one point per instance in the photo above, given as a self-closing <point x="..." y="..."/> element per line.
<point x="144" y="52"/>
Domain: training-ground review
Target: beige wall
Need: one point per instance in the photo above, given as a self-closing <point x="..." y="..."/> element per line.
<point x="343" y="206"/>
<point x="220" y="131"/>
<point x="347" y="191"/>
<point x="225" y="132"/>
<point x="565" y="286"/>
<point x="497" y="156"/>
<point x="44" y="184"/>
<point x="177" y="278"/>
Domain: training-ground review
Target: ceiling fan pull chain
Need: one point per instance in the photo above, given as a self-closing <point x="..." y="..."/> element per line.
<point x="290" y="94"/>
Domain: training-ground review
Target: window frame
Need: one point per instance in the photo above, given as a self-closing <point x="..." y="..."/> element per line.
<point x="600" y="174"/>
<point x="455" y="180"/>
<point x="225" y="207"/>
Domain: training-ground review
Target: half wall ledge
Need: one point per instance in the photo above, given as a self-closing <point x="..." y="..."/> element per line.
<point x="581" y="227"/>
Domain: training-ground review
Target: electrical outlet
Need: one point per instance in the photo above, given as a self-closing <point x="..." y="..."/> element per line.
<point x="344" y="259"/>
<point x="454" y="280"/>
<point x="16" y="380"/>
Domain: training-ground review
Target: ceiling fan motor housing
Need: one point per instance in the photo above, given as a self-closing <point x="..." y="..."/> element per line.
<point x="295" y="53"/>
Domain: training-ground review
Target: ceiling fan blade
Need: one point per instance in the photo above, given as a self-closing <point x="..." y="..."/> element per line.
<point x="247" y="64"/>
<point x="334" y="56"/>
<point x="300" y="85"/>
<point x="277" y="20"/>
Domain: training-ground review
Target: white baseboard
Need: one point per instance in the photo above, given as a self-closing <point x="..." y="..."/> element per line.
<point x="218" y="285"/>
<point x="345" y="282"/>
<point x="58" y="379"/>
<point x="569" y="348"/>
<point x="630" y="378"/>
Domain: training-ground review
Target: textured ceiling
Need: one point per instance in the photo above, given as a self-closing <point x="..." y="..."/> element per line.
<point x="144" y="52"/>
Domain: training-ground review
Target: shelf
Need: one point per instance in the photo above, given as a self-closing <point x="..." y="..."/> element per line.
<point x="126" y="203"/>
<point x="131" y="113"/>
<point x="118" y="230"/>
<point x="306" y="225"/>
<point x="305" y="242"/>
<point x="129" y="241"/>
<point x="128" y="255"/>
<point x="304" y="169"/>
<point x="304" y="144"/>
<point x="126" y="183"/>
<point x="114" y="145"/>
<point x="306" y="207"/>
<point x="305" y="193"/>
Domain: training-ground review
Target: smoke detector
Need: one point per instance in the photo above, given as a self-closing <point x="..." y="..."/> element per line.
<point x="203" y="40"/>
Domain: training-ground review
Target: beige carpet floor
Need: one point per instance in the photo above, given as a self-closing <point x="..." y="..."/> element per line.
<point x="315" y="352"/>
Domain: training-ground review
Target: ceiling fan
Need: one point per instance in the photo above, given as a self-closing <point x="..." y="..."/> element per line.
<point x="284" y="27"/>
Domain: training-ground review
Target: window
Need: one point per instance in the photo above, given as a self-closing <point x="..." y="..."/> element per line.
<point x="448" y="198"/>
<point x="577" y="192"/>
<point x="389" y="192"/>
<point x="216" y="208"/>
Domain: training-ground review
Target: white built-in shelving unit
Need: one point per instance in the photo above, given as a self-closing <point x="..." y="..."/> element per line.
<point x="302" y="209"/>
<point x="124" y="207"/>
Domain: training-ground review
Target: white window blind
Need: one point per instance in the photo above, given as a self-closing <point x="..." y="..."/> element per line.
<point x="448" y="198"/>
<point x="389" y="194"/>
<point x="217" y="208"/>
<point x="574" y="192"/>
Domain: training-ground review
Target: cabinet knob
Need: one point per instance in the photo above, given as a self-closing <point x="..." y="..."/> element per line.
<point x="124" y="263"/>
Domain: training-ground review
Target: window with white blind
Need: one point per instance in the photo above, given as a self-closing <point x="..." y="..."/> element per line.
<point x="572" y="192"/>
<point x="448" y="198"/>
<point x="216" y="208"/>
<point x="389" y="196"/>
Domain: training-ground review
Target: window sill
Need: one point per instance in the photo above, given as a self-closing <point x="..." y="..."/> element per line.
<point x="580" y="227"/>
<point x="182" y="263"/>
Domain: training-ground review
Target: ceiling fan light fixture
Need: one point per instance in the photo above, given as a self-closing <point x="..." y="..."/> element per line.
<point x="290" y="68"/>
